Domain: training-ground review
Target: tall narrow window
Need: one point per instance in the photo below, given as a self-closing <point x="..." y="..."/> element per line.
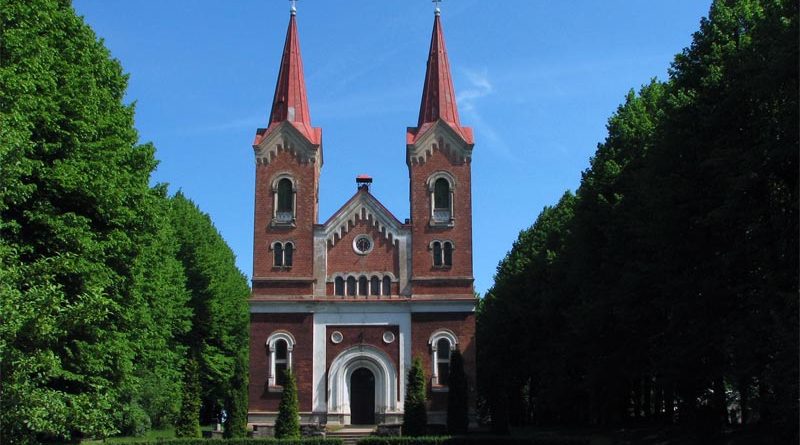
<point x="281" y="361"/>
<point x="375" y="286"/>
<point x="441" y="194"/>
<point x="443" y="341"/>
<point x="285" y="201"/>
<point x="362" y="286"/>
<point x="277" y="250"/>
<point x="437" y="254"/>
<point x="442" y="209"/>
<point x="443" y="360"/>
<point x="351" y="286"/>
<point x="338" y="286"/>
<point x="280" y="345"/>
<point x="387" y="286"/>
<point x="448" y="254"/>
<point x="288" y="253"/>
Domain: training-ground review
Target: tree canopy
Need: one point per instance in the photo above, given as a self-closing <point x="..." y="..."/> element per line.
<point x="666" y="288"/>
<point x="99" y="306"/>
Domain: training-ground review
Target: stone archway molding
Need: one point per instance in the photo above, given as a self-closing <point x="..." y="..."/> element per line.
<point x="347" y="362"/>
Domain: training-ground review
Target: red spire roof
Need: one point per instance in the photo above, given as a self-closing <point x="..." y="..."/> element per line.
<point x="438" y="95"/>
<point x="291" y="103"/>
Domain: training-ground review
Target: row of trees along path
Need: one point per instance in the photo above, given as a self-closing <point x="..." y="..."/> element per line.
<point x="119" y="304"/>
<point x="665" y="289"/>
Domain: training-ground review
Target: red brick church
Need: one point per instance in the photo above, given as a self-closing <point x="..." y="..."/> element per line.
<point x="346" y="304"/>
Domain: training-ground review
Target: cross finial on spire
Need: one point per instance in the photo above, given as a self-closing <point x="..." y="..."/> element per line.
<point x="437" y="10"/>
<point x="293" y="7"/>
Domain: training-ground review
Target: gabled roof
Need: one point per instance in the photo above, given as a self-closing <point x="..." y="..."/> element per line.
<point x="362" y="206"/>
<point x="290" y="103"/>
<point x="438" y="94"/>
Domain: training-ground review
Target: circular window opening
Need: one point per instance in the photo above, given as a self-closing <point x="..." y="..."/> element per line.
<point x="388" y="337"/>
<point x="363" y="244"/>
<point x="337" y="337"/>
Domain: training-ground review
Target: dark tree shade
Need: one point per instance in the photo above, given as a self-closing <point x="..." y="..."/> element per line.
<point x="457" y="396"/>
<point x="666" y="289"/>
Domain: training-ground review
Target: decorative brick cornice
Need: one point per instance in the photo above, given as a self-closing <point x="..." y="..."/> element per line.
<point x="362" y="207"/>
<point x="285" y="137"/>
<point x="421" y="142"/>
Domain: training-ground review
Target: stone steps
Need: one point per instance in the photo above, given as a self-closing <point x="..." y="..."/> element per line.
<point x="351" y="435"/>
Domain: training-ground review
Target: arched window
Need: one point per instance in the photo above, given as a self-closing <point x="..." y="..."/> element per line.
<point x="277" y="250"/>
<point x="338" y="286"/>
<point x="443" y="360"/>
<point x="281" y="361"/>
<point x="362" y="286"/>
<point x="441" y="194"/>
<point x="280" y="345"/>
<point x="448" y="254"/>
<point x="437" y="254"/>
<point x="284" y="201"/>
<point x="351" y="286"/>
<point x="442" y="253"/>
<point x="387" y="286"/>
<point x="441" y="188"/>
<point x="442" y="342"/>
<point x="288" y="253"/>
<point x="282" y="253"/>
<point x="375" y="286"/>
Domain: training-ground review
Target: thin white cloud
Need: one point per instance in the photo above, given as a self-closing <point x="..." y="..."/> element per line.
<point x="234" y="124"/>
<point x="480" y="87"/>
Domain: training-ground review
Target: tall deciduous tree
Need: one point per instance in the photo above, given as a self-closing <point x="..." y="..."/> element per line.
<point x="218" y="299"/>
<point x="669" y="292"/>
<point x="78" y="224"/>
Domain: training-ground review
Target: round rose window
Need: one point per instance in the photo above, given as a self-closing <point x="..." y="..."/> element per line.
<point x="362" y="244"/>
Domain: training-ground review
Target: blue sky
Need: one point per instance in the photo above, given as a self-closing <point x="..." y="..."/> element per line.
<point x="537" y="80"/>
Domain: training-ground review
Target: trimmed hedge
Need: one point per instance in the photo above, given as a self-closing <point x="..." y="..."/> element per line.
<point x="468" y="440"/>
<point x="267" y="441"/>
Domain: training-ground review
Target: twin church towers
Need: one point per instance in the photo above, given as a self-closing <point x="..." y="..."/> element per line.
<point x="347" y="303"/>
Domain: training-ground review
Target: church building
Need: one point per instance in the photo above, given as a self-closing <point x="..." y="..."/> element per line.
<point x="348" y="303"/>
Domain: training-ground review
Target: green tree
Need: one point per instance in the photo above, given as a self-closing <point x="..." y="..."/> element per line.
<point x="236" y="402"/>
<point x="415" y="415"/>
<point x="457" y="396"/>
<point x="667" y="290"/>
<point x="287" y="424"/>
<point x="218" y="299"/>
<point x="188" y="423"/>
<point x="77" y="218"/>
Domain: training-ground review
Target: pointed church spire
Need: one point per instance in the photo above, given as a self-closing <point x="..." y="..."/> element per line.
<point x="290" y="103"/>
<point x="438" y="94"/>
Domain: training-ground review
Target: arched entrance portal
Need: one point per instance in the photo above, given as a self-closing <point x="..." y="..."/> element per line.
<point x="362" y="397"/>
<point x="348" y="370"/>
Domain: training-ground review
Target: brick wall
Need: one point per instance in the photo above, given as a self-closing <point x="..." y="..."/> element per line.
<point x="343" y="259"/>
<point x="261" y="326"/>
<point x="305" y="176"/>
<point x="463" y="325"/>
<point x="423" y="233"/>
<point x="370" y="335"/>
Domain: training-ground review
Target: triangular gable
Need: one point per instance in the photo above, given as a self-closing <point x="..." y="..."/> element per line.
<point x="362" y="207"/>
<point x="420" y="142"/>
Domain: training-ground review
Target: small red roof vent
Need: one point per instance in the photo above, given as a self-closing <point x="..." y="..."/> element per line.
<point x="363" y="181"/>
